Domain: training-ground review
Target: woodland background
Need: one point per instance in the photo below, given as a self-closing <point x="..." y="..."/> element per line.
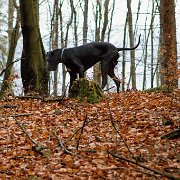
<point x="71" y="23"/>
<point x="128" y="135"/>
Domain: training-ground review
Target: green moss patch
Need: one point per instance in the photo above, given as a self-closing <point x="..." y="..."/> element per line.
<point x="86" y="90"/>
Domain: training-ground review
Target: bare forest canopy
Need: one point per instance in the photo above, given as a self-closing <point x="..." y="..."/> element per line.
<point x="132" y="134"/>
<point x="72" y="23"/>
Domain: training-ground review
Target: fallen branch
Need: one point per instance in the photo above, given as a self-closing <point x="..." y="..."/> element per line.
<point x="168" y="175"/>
<point x="82" y="128"/>
<point x="37" y="148"/>
<point x="117" y="130"/>
<point x="24" y="130"/>
<point x="172" y="135"/>
<point x="6" y="172"/>
<point x="20" y="115"/>
<point x="61" y="143"/>
<point x="6" y="106"/>
<point x="138" y="170"/>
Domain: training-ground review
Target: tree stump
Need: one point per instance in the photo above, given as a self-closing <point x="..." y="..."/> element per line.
<point x="86" y="90"/>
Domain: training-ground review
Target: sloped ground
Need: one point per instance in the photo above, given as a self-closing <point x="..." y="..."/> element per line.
<point x="80" y="138"/>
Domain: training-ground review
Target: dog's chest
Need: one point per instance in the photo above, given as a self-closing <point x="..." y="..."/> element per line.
<point x="70" y="66"/>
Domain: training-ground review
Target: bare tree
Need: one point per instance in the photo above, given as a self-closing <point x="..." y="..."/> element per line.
<point x="55" y="39"/>
<point x="123" y="56"/>
<point x="98" y="19"/>
<point x="131" y="37"/>
<point x="13" y="38"/>
<point x="111" y="21"/>
<point x="85" y="22"/>
<point x="100" y="33"/>
<point x="147" y="36"/>
<point x="105" y="20"/>
<point x="11" y="9"/>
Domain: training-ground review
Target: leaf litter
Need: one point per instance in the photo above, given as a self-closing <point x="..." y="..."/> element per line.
<point x="78" y="138"/>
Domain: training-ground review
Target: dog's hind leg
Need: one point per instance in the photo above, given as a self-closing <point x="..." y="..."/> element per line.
<point x="113" y="76"/>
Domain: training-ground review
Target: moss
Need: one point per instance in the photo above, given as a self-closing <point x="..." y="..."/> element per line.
<point x="163" y="89"/>
<point x="86" y="90"/>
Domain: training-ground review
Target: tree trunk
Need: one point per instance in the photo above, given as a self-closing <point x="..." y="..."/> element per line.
<point x="131" y="37"/>
<point x="55" y="35"/>
<point x="33" y="64"/>
<point x="85" y="23"/>
<point x="10" y="19"/>
<point x="6" y="81"/>
<point x="152" y="44"/>
<point x="98" y="18"/>
<point x="106" y="12"/>
<point x="109" y="32"/>
<point x="13" y="38"/>
<point x="124" y="56"/>
<point x="146" y="50"/>
<point x="62" y="46"/>
<point x="111" y="21"/>
<point x="169" y="45"/>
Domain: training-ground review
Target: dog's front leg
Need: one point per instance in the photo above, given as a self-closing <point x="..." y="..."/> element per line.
<point x="73" y="76"/>
<point x="104" y="71"/>
<point x="80" y="66"/>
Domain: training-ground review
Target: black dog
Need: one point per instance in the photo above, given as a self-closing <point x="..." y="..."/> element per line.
<point x="81" y="58"/>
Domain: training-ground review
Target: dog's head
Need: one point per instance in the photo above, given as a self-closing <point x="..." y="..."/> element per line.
<point x="53" y="59"/>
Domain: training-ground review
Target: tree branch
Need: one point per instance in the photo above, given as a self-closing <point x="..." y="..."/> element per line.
<point x="3" y="71"/>
<point x="168" y="175"/>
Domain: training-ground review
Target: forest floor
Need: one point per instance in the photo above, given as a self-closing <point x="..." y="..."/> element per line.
<point x="118" y="138"/>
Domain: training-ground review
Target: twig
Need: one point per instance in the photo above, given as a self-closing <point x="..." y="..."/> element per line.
<point x="6" y="172"/>
<point x="9" y="66"/>
<point x="172" y="135"/>
<point x="37" y="148"/>
<point x="29" y="97"/>
<point x="138" y="170"/>
<point x="114" y="125"/>
<point x="82" y="128"/>
<point x="24" y="130"/>
<point x="76" y="131"/>
<point x="72" y="135"/>
<point x="19" y="115"/>
<point x="108" y="89"/>
<point x="62" y="145"/>
<point x="170" y="176"/>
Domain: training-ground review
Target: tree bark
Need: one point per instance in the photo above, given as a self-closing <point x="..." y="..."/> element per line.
<point x="98" y="19"/>
<point x="6" y="81"/>
<point x="85" y="23"/>
<point x="124" y="56"/>
<point x="33" y="64"/>
<point x="13" y="38"/>
<point x="55" y="35"/>
<point x="10" y="19"/>
<point x="169" y="44"/>
<point x="131" y="37"/>
<point x="106" y="12"/>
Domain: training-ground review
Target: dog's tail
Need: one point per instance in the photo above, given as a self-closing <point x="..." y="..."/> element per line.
<point x="123" y="49"/>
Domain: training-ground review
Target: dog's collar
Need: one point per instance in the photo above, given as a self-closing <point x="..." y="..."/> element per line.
<point x="62" y="55"/>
